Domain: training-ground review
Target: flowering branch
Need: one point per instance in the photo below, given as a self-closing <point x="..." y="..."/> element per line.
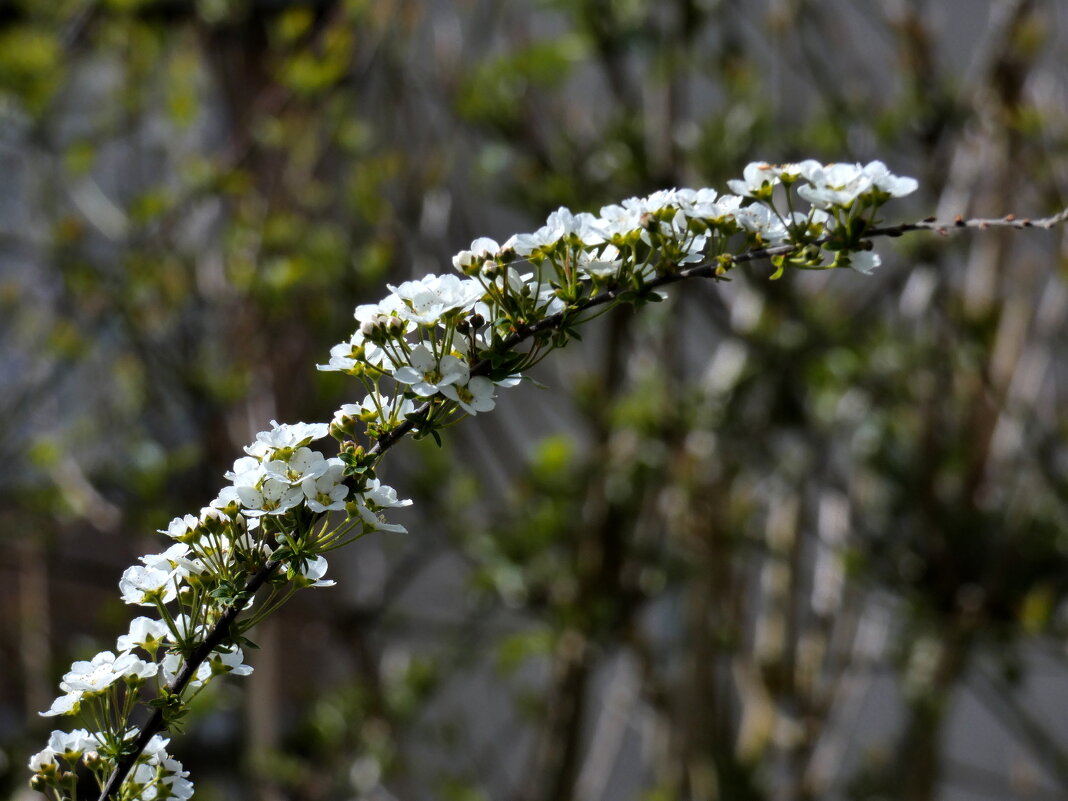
<point x="430" y="353"/>
<point x="710" y="270"/>
<point x="156" y="721"/>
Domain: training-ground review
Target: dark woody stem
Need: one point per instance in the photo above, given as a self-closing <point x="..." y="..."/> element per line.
<point x="221" y="629"/>
<point x="155" y="723"/>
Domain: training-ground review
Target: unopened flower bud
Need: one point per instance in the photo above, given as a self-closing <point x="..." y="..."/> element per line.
<point x="463" y="327"/>
<point x="69" y="780"/>
<point x="477" y="320"/>
<point x="213" y="519"/>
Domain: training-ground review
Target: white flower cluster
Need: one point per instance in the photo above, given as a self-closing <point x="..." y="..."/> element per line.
<point x="276" y="491"/>
<point x="427" y="335"/>
<point x="433" y="349"/>
<point x="93" y="677"/>
<point x="157" y="776"/>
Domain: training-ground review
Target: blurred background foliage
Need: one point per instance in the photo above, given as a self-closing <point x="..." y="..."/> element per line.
<point x="802" y="539"/>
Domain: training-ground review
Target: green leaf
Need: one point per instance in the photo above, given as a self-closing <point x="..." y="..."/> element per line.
<point x="173" y="708"/>
<point x="779" y="262"/>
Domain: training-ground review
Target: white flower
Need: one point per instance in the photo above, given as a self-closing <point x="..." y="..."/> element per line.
<point x="549" y="302"/>
<point x="130" y="666"/>
<point x="373" y="521"/>
<point x="105" y="668"/>
<point x="162" y="779"/>
<point x="886" y="181"/>
<point x="383" y="496"/>
<point x="621" y="220"/>
<point x="724" y="208"/>
<point x="145" y="586"/>
<point x="426" y="375"/>
<point x="351" y="410"/>
<point x="481" y="249"/>
<point x="176" y="781"/>
<point x="174" y="559"/>
<point x="185" y="631"/>
<point x="302" y="463"/>
<point x="561" y="224"/>
<point x="694" y="250"/>
<point x="144" y="633"/>
<point x="245" y="466"/>
<point x="93" y="676"/>
<point x="343" y="357"/>
<point x="180" y="788"/>
<point x="43" y="761"/>
<point x="475" y="396"/>
<point x="864" y="261"/>
<point x="584" y="227"/>
<point x="230" y="660"/>
<point x="241" y="541"/>
<point x="71" y="745"/>
<point x="314" y="570"/>
<point x="678" y="229"/>
<point x="526" y="285"/>
<point x="326" y="492"/>
<point x="172" y="663"/>
<point x="544" y="237"/>
<point x="214" y="519"/>
<point x="395" y="408"/>
<point x="430" y="299"/>
<point x="346" y="356"/>
<point x="698" y="203"/>
<point x="377" y="495"/>
<point x="181" y="527"/>
<point x="833" y="185"/>
<point x="156" y="749"/>
<point x="271" y="497"/>
<point x="791" y="172"/>
<point x="761" y="220"/>
<point x="600" y="264"/>
<point x="145" y="774"/>
<point x="288" y="436"/>
<point x="226" y="499"/>
<point x="757" y="178"/>
<point x="64" y="705"/>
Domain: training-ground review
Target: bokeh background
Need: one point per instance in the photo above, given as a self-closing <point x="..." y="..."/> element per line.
<point x="802" y="539"/>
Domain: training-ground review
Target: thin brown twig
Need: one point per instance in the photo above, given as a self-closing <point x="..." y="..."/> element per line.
<point x="943" y="227"/>
<point x="711" y="269"/>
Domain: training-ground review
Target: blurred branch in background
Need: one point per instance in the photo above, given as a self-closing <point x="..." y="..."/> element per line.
<point x="791" y="540"/>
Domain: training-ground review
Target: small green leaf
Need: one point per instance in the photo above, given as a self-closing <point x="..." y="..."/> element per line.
<point x="779" y="262"/>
